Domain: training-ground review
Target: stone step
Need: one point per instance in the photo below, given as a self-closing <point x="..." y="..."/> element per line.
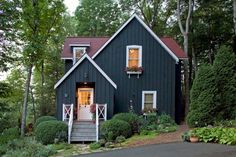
<point x="84" y="130"/>
<point x="84" y="134"/>
<point x="81" y="138"/>
<point x="84" y="126"/>
<point x="84" y="122"/>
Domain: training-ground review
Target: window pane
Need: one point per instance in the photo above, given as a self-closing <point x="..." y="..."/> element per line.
<point x="133" y="63"/>
<point x="79" y="53"/>
<point x="149" y="98"/>
<point x="134" y="53"/>
<point x="148" y="106"/>
<point x="84" y="97"/>
<point x="133" y="57"/>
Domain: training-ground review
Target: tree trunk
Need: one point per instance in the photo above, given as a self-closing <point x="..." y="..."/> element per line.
<point x="33" y="103"/>
<point x="42" y="106"/>
<point x="194" y="62"/>
<point x="24" y="111"/>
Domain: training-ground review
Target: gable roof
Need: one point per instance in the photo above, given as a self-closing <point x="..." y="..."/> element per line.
<point x="147" y="28"/>
<point x="174" y="47"/>
<point x="85" y="56"/>
<point x="92" y="44"/>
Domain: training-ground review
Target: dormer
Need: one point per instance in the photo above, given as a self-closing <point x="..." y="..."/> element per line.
<point x="78" y="50"/>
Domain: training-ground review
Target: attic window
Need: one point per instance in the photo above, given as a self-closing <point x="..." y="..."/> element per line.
<point x="77" y="53"/>
<point x="134" y="59"/>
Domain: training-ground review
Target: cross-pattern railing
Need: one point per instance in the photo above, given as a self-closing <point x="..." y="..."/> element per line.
<point x="101" y="115"/>
<point x="68" y="116"/>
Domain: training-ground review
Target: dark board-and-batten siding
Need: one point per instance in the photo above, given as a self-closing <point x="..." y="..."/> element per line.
<point x="103" y="93"/>
<point x="158" y="65"/>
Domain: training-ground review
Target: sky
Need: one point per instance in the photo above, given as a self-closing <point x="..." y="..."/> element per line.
<point x="71" y="5"/>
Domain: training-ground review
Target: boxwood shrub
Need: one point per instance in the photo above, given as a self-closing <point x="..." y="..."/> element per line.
<point x="46" y="132"/>
<point x="113" y="128"/>
<point x="43" y="119"/>
<point x="131" y="118"/>
<point x="8" y="135"/>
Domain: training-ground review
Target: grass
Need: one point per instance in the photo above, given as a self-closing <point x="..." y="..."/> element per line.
<point x="137" y="137"/>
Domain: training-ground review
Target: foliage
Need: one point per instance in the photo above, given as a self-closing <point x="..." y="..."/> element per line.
<point x="102" y="142"/>
<point x="113" y="128"/>
<point x="28" y="147"/>
<point x="166" y="119"/>
<point x="131" y="118"/>
<point x="43" y="119"/>
<point x="9" y="135"/>
<point x="93" y="17"/>
<point x="225" y="123"/>
<point x="47" y="131"/>
<point x="109" y="145"/>
<point x="61" y="146"/>
<point x="213" y="91"/>
<point x="217" y="135"/>
<point x="94" y="145"/>
<point x="202" y="98"/>
<point x="120" y="139"/>
<point x="186" y="136"/>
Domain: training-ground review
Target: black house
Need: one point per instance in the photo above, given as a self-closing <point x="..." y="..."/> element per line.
<point x="132" y="69"/>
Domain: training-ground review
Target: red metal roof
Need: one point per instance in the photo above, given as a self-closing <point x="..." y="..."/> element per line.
<point x="97" y="42"/>
<point x="174" y="47"/>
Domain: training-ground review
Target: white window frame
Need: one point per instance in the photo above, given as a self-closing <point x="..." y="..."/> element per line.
<point x="154" y="98"/>
<point x="74" y="52"/>
<point x="140" y="54"/>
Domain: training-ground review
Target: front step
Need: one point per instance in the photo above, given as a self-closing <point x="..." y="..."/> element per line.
<point x="83" y="131"/>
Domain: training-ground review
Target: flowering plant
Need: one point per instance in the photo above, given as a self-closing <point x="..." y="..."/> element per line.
<point x="93" y="108"/>
<point x="134" y="68"/>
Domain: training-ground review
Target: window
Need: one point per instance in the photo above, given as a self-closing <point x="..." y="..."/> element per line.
<point x="148" y="100"/>
<point x="77" y="53"/>
<point x="133" y="58"/>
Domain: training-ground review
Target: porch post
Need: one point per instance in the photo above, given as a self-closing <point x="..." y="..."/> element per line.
<point x="97" y="123"/>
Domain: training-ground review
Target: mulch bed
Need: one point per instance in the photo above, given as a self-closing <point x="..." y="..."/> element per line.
<point x="163" y="138"/>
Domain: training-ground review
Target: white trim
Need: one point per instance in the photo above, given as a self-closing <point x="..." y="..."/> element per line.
<point x="74" y="52"/>
<point x="77" y="64"/>
<point x="79" y="45"/>
<point x="66" y="58"/>
<point x="147" y="28"/>
<point x="154" y="98"/>
<point x="140" y="54"/>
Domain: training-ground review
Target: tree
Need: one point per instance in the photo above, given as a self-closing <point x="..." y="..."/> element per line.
<point x="213" y="91"/>
<point x="185" y="35"/>
<point x="9" y="19"/>
<point x="155" y="13"/>
<point x="97" y="18"/>
<point x="40" y="20"/>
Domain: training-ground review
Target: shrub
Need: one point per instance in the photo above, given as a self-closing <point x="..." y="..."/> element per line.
<point x="217" y="135"/>
<point x="120" y="139"/>
<point x="165" y="119"/>
<point x="94" y="146"/>
<point x="8" y="135"/>
<point x="28" y="147"/>
<point x="102" y="142"/>
<point x="116" y="128"/>
<point x="46" y="132"/>
<point x="43" y="119"/>
<point x="131" y="118"/>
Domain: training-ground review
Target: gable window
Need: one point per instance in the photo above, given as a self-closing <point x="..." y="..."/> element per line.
<point x="149" y="101"/>
<point x="134" y="59"/>
<point x="77" y="53"/>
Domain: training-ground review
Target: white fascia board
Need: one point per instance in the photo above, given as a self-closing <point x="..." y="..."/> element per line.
<point x="77" y="64"/>
<point x="147" y="28"/>
<point x="79" y="45"/>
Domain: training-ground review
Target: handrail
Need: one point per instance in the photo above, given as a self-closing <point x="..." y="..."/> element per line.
<point x="101" y="114"/>
<point x="70" y="123"/>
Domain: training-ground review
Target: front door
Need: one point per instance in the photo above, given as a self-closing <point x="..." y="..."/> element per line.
<point x="85" y="99"/>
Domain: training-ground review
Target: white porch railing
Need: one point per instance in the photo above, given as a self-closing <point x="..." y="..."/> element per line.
<point x="68" y="116"/>
<point x="101" y="115"/>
